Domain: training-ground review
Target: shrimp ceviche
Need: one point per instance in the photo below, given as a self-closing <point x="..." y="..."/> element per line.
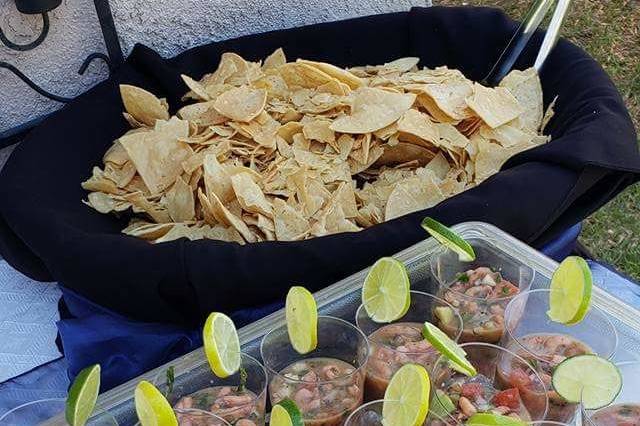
<point x="544" y="351"/>
<point x="238" y="406"/>
<point x="460" y="397"/>
<point x="326" y="390"/>
<point x="617" y="415"/>
<point x="480" y="295"/>
<point x="393" y="346"/>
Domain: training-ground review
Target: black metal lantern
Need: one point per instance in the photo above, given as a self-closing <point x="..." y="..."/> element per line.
<point x="36" y="7"/>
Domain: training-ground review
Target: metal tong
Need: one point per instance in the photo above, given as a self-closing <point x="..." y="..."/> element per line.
<point x="523" y="34"/>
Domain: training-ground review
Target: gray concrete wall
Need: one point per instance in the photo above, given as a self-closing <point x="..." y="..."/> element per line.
<point x="170" y="26"/>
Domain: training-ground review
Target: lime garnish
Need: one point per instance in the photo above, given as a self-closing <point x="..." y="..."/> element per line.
<point x="571" y="286"/>
<point x="449" y="239"/>
<point x="589" y="379"/>
<point x="447" y="347"/>
<point x="302" y="319"/>
<point x="221" y="345"/>
<point x="406" y="400"/>
<point x="82" y="396"/>
<point x="385" y="293"/>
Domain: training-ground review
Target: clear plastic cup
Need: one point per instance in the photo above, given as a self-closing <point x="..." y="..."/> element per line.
<point x="400" y="342"/>
<point x="625" y="409"/>
<point x="48" y="411"/>
<point x="369" y="414"/>
<point x="545" y="343"/>
<point x="225" y="398"/>
<point x="326" y="383"/>
<point x="480" y="306"/>
<point x="504" y="379"/>
<point x="195" y="417"/>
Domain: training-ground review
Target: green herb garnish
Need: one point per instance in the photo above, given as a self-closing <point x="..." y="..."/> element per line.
<point x="171" y="378"/>
<point x="243" y="380"/>
<point x="462" y="277"/>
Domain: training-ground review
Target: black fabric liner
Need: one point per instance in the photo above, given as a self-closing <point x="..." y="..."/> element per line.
<point x="48" y="234"/>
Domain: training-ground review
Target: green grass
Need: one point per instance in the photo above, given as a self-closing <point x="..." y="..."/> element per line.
<point x="610" y="32"/>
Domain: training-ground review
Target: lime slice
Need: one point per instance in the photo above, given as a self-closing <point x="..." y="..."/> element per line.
<point x="441" y="404"/>
<point x="588" y="378"/>
<point x="449" y="239"/>
<point x="570" y="296"/>
<point x="302" y="320"/>
<point x="447" y="347"/>
<point x="488" y="419"/>
<point x="221" y="345"/>
<point x="152" y="407"/>
<point x="82" y="396"/>
<point x="286" y="413"/>
<point x="385" y="293"/>
<point x="406" y="400"/>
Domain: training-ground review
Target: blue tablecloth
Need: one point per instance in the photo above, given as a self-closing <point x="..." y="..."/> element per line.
<point x="125" y="348"/>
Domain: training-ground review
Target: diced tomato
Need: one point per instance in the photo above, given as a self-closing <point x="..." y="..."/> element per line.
<point x="519" y="378"/>
<point x="472" y="390"/>
<point x="507" y="398"/>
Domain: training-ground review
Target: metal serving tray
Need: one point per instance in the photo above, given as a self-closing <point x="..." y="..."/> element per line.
<point x="343" y="298"/>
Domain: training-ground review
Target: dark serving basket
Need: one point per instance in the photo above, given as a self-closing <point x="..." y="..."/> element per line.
<point x="48" y="234"/>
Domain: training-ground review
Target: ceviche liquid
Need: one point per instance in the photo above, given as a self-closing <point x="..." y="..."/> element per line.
<point x="480" y="295"/>
<point x="393" y="346"/>
<point x="240" y="407"/>
<point x="544" y="352"/>
<point x="461" y="397"/>
<point x="617" y="415"/>
<point x="326" y="390"/>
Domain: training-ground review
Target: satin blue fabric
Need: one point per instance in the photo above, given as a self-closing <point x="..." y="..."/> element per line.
<point x="126" y="349"/>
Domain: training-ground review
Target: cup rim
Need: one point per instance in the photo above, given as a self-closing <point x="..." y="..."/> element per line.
<point x="500" y="348"/>
<point x="511" y="337"/>
<point x="442" y="285"/>
<point x="361" y="407"/>
<point x="586" y="414"/>
<point x="34" y="402"/>
<point x="243" y="355"/>
<point x="357" y="369"/>
<point x="202" y="412"/>
<point x="459" y="332"/>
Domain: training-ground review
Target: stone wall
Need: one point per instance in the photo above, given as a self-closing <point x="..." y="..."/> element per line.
<point x="170" y="26"/>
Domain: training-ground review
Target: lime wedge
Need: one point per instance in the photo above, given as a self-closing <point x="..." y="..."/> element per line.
<point x="221" y="345"/>
<point x="449" y="239"/>
<point x="447" y="347"/>
<point x="488" y="419"/>
<point x="152" y="407"/>
<point x="302" y="319"/>
<point x="570" y="296"/>
<point x="406" y="400"/>
<point x="441" y="405"/>
<point x="385" y="293"/>
<point x="82" y="396"/>
<point x="588" y="378"/>
<point x="286" y="413"/>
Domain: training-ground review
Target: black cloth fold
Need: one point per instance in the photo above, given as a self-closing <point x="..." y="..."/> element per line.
<point x="48" y="234"/>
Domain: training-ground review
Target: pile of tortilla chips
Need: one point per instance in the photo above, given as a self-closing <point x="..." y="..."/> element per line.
<point x="279" y="150"/>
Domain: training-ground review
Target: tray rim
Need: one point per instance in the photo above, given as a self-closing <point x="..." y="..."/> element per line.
<point x="542" y="264"/>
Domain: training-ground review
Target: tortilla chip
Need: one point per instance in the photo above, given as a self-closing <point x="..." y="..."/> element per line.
<point x="372" y="110"/>
<point x="495" y="106"/>
<point x="203" y="114"/>
<point x="143" y="106"/>
<point x="275" y="60"/>
<point x="450" y="98"/>
<point x="249" y="195"/>
<point x="413" y="194"/>
<point x="404" y="152"/>
<point x="290" y="224"/>
<point x="241" y="103"/>
<point x="419" y="127"/>
<point x="338" y="73"/>
<point x="180" y="202"/>
<point x="525" y="86"/>
<point x="158" y="154"/>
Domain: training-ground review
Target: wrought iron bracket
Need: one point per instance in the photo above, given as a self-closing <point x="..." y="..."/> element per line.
<point x="35" y="43"/>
